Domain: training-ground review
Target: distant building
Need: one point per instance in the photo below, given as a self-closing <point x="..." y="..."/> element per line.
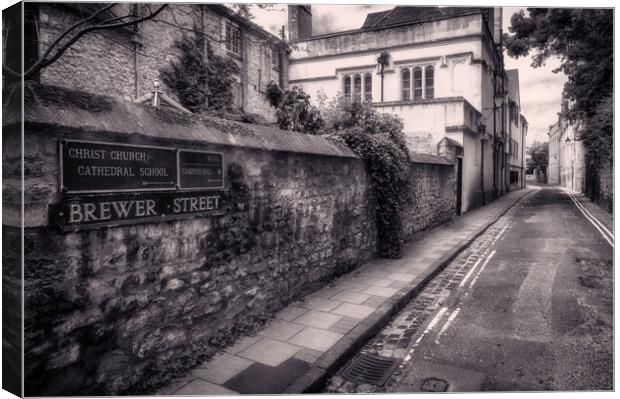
<point x="125" y="62"/>
<point x="566" y="154"/>
<point x="444" y="78"/>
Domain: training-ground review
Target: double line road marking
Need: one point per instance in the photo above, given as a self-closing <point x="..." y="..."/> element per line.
<point x="607" y="235"/>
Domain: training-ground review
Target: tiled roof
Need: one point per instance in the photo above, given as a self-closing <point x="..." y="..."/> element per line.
<point x="417" y="157"/>
<point x="409" y="15"/>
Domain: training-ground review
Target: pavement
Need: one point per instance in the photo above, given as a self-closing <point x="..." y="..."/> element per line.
<point x="528" y="306"/>
<point x="310" y="339"/>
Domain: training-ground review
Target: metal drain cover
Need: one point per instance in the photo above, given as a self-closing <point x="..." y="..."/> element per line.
<point x="434" y="385"/>
<point x="370" y="369"/>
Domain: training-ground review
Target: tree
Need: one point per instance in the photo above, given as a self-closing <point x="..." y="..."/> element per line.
<point x="100" y="18"/>
<point x="293" y="109"/>
<point x="539" y="153"/>
<point x="583" y="40"/>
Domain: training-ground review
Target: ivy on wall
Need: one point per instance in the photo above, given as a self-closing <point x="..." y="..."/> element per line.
<point x="376" y="138"/>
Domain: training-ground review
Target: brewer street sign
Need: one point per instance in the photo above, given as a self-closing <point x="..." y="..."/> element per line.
<point x="93" y="211"/>
<point x="98" y="167"/>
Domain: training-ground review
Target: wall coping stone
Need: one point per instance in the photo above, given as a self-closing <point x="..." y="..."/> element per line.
<point x="65" y="108"/>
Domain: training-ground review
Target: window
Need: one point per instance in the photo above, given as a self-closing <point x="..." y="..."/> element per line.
<point x="406" y="79"/>
<point x="275" y="58"/>
<point x="347" y="87"/>
<point x="430" y="82"/>
<point x="233" y="39"/>
<point x="357" y="87"/>
<point x="417" y="83"/>
<point x="368" y="87"/>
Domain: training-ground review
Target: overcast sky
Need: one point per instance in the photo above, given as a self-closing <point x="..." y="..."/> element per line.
<point x="541" y="89"/>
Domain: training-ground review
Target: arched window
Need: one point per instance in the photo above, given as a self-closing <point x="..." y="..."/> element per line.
<point x="357" y="87"/>
<point x="368" y="87"/>
<point x="417" y="83"/>
<point x="347" y="87"/>
<point x="406" y="81"/>
<point x="430" y="82"/>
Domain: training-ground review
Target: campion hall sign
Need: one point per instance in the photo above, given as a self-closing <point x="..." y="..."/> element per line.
<point x="110" y="184"/>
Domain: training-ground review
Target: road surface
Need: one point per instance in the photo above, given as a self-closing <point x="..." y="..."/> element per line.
<point x="529" y="306"/>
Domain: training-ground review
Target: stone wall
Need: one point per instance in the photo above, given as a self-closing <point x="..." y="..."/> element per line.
<point x="119" y="309"/>
<point x="433" y="192"/>
<point x="599" y="181"/>
<point x="124" y="63"/>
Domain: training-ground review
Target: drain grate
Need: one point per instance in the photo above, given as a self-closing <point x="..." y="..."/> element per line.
<point x="370" y="369"/>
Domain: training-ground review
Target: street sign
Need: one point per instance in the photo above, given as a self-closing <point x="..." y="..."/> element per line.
<point x="200" y="170"/>
<point x="79" y="212"/>
<point x="99" y="167"/>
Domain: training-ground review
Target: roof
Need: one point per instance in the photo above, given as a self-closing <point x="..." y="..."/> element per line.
<point x="417" y="157"/>
<point x="513" y="85"/>
<point x="402" y="15"/>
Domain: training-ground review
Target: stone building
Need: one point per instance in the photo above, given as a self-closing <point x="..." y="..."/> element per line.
<point x="125" y="62"/>
<point x="444" y="77"/>
<point x="517" y="131"/>
<point x="566" y="154"/>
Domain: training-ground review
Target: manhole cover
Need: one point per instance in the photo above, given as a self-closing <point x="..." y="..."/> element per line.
<point x="370" y="369"/>
<point x="434" y="385"/>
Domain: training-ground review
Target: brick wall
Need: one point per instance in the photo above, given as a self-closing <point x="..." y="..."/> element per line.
<point x="119" y="309"/>
<point x="107" y="62"/>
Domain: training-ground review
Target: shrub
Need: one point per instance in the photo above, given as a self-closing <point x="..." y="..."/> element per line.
<point x="293" y="109"/>
<point x="195" y="79"/>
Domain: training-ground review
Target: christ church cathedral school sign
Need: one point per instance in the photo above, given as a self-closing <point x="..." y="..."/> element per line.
<point x="110" y="184"/>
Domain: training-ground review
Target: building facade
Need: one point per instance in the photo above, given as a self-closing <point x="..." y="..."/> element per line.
<point x="125" y="62"/>
<point x="566" y="154"/>
<point x="443" y="75"/>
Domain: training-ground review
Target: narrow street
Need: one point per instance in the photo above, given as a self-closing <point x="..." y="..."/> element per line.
<point x="529" y="306"/>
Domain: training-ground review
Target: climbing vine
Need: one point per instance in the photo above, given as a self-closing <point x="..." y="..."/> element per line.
<point x="376" y="138"/>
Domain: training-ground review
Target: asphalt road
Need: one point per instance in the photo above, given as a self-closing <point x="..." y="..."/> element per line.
<point x="529" y="307"/>
<point x="538" y="317"/>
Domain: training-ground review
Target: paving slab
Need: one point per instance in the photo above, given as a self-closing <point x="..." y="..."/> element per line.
<point x="321" y="304"/>
<point x="202" y="388"/>
<point x="221" y="368"/>
<point x="381" y="291"/>
<point x="243" y="343"/>
<point x="290" y="313"/>
<point x="315" y="338"/>
<point x="353" y="310"/>
<point x="314" y="318"/>
<point x="352" y="297"/>
<point x="270" y="352"/>
<point x="281" y="330"/>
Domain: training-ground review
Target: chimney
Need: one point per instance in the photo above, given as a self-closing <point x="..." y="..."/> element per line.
<point x="299" y="22"/>
<point x="497" y="24"/>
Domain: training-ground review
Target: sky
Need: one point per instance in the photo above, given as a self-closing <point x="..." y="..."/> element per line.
<point x="540" y="88"/>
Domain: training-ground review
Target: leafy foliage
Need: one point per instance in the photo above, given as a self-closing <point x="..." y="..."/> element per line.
<point x="293" y="109"/>
<point x="583" y="40"/>
<point x="198" y="82"/>
<point x="376" y="138"/>
<point x="539" y="153"/>
<point x="187" y="77"/>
